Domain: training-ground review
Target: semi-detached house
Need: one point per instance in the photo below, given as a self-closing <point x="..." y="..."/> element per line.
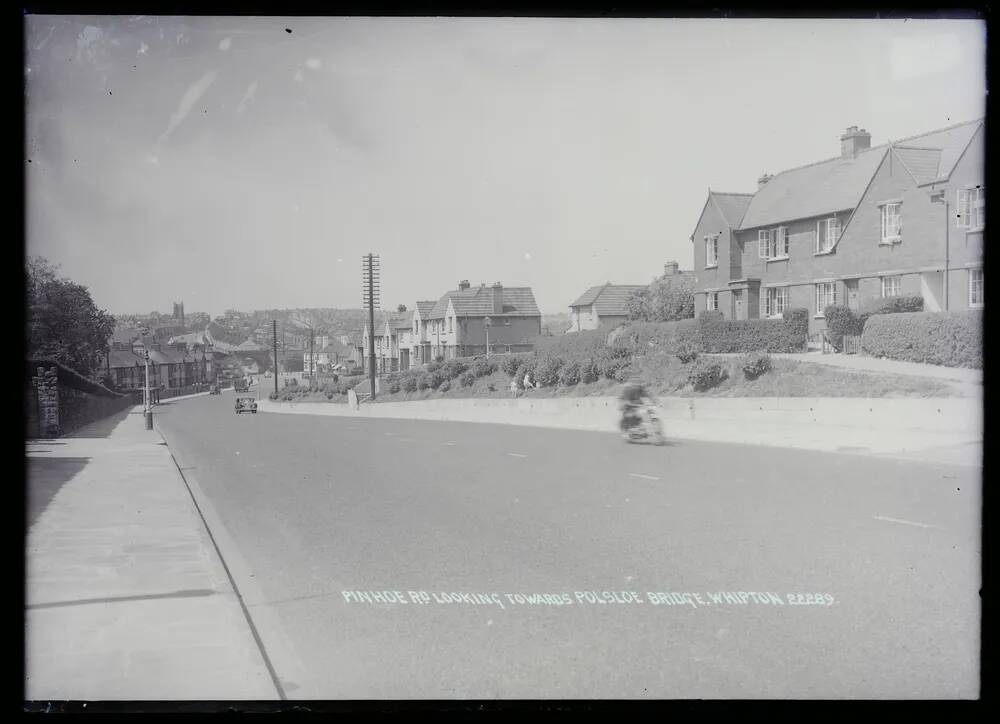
<point x="457" y="324"/>
<point x="903" y="218"/>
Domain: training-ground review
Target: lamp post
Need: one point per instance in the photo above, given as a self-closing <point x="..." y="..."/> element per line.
<point x="939" y="196"/>
<point x="486" y="324"/>
<point x="148" y="412"/>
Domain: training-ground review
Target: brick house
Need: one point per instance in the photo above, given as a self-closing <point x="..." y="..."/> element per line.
<point x="420" y="344"/>
<point x="605" y="304"/>
<point x="903" y="218"/>
<point x="456" y="325"/>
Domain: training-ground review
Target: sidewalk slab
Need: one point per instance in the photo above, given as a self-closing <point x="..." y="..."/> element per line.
<point x="126" y="598"/>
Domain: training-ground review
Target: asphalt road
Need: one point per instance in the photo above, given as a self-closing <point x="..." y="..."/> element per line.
<point x="321" y="505"/>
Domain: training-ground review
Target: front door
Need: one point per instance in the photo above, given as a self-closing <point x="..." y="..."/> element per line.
<point x="851" y="285"/>
<point x="737" y="304"/>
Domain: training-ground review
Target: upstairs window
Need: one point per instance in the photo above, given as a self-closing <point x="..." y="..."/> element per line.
<point x="892" y="222"/>
<point x="712" y="250"/>
<point x="449" y="325"/>
<point x="827" y="233"/>
<point x="773" y="243"/>
<point x="891" y="286"/>
<point x="975" y="287"/>
<point x="972" y="208"/>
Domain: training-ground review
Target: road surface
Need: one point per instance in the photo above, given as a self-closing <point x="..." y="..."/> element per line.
<point x="875" y="564"/>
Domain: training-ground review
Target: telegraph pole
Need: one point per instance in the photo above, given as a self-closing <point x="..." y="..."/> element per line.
<point x="369" y="285"/>
<point x="311" y="339"/>
<point x="274" y="324"/>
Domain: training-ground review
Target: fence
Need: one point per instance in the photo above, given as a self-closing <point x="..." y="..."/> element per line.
<point x="852" y="345"/>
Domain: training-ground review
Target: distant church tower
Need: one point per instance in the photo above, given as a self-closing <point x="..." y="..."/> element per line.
<point x="179" y="312"/>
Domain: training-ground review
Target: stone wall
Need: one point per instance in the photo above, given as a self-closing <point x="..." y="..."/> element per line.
<point x="54" y="409"/>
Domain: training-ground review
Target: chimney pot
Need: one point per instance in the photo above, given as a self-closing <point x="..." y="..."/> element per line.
<point x="762" y="181"/>
<point x="854" y="141"/>
<point x="670" y="268"/>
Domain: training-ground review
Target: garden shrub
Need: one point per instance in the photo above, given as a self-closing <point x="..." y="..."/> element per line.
<point x="711" y="315"/>
<point x="687" y="352"/>
<point x="954" y="339"/>
<point x="468" y="379"/>
<point x="755" y="364"/>
<point x="273" y="395"/>
<point x="589" y="371"/>
<point x="512" y="364"/>
<point x="546" y="372"/>
<point x="423" y="381"/>
<point x="841" y="322"/>
<point x="455" y="367"/>
<point x="330" y="394"/>
<point x="483" y="367"/>
<point x="444" y="386"/>
<point x="394" y="387"/>
<point x="569" y="375"/>
<point x="435" y="378"/>
<point x="409" y="383"/>
<point x="705" y="374"/>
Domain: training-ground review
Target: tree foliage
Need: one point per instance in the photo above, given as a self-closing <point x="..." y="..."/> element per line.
<point x="63" y="323"/>
<point x="668" y="299"/>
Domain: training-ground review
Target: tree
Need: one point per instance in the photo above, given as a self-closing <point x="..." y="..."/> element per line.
<point x="401" y="308"/>
<point x="64" y="324"/>
<point x="667" y="299"/>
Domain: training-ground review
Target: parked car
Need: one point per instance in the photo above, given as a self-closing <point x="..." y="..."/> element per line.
<point x="246" y="404"/>
<point x="214" y="390"/>
<point x="241" y="385"/>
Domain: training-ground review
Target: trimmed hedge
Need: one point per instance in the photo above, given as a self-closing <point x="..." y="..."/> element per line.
<point x="953" y="339"/>
<point x="789" y="334"/>
<point x="841" y="322"/>
<point x="890" y="305"/>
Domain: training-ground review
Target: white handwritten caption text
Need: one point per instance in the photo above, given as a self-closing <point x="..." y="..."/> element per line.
<point x="656" y="598"/>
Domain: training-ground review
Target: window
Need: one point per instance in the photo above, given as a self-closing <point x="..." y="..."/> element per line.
<point x="712" y="301"/>
<point x="892" y="222"/>
<point x="773" y="302"/>
<point x="826" y="294"/>
<point x="972" y="208"/>
<point x="449" y="324"/>
<point x="712" y="250"/>
<point x="891" y="286"/>
<point x="827" y="232"/>
<point x="773" y="243"/>
<point x="764" y="243"/>
<point x="975" y="287"/>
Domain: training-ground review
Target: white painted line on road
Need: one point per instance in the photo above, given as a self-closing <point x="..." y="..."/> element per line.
<point x="449" y="443"/>
<point x="644" y="477"/>
<point x="517" y="455"/>
<point x="388" y="434"/>
<point x="906" y="522"/>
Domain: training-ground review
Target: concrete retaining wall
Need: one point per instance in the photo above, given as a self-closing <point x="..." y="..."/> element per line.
<point x="952" y="416"/>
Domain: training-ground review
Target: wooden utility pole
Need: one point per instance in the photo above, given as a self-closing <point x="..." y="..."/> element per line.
<point x="274" y="324"/>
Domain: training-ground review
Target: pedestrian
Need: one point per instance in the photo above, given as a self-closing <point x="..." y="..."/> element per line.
<point x="513" y="387"/>
<point x="527" y="380"/>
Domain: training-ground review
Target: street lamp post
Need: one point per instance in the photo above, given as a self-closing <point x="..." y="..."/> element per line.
<point x="486" y="323"/>
<point x="148" y="412"/>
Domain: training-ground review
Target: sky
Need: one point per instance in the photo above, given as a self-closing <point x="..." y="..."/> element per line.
<point x="231" y="164"/>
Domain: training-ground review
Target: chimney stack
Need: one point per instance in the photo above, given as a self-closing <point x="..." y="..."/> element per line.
<point x="670" y="268"/>
<point x="497" y="298"/>
<point x="854" y="141"/>
<point x="762" y="181"/>
<point x="463" y="285"/>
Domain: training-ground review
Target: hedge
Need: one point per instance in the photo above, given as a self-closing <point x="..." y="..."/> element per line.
<point x="953" y="339"/>
<point x="889" y="305"/>
<point x="789" y="334"/>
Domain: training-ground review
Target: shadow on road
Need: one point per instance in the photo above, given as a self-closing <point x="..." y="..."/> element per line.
<point x="46" y="476"/>
<point x="101" y="428"/>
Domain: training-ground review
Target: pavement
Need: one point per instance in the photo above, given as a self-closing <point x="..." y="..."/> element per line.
<point x="394" y="558"/>
<point x="126" y="596"/>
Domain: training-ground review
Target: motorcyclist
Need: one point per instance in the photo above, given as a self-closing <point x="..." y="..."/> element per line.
<point x="633" y="399"/>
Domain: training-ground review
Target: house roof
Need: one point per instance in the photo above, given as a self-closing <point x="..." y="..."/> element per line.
<point x="190" y="339"/>
<point x="124" y="358"/>
<point x="424" y="308"/>
<point x="478" y="302"/>
<point x="837" y="184"/>
<point x="401" y="320"/>
<point x="731" y="206"/>
<point x="608" y="299"/>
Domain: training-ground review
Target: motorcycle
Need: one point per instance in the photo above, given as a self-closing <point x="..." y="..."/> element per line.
<point x="649" y="428"/>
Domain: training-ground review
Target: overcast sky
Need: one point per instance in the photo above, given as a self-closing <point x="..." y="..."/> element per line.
<point x="230" y="164"/>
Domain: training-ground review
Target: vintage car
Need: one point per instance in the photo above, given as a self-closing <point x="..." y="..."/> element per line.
<point x="246" y="404"/>
<point x="214" y="390"/>
<point x="241" y="385"/>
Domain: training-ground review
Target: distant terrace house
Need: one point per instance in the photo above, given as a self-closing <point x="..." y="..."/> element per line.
<point x="327" y="353"/>
<point x="903" y="218"/>
<point x="398" y="329"/>
<point x="420" y="344"/>
<point x="168" y="368"/>
<point x="606" y="304"/>
<point x="457" y="323"/>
